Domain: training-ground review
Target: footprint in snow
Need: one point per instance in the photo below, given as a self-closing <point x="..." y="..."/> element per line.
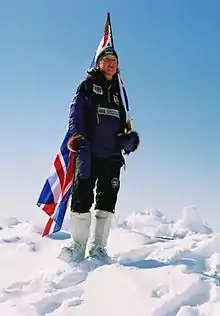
<point x="54" y="301"/>
<point x="14" y="290"/>
<point x="9" y="240"/>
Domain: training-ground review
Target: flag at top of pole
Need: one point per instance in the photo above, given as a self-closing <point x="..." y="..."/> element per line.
<point x="54" y="197"/>
<point x="105" y="41"/>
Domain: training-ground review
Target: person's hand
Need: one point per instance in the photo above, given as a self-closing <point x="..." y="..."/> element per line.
<point x="129" y="142"/>
<point x="75" y="142"/>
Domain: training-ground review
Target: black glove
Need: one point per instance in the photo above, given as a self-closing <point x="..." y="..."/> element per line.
<point x="129" y="141"/>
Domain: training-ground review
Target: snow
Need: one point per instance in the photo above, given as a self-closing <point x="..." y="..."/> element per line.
<point x="160" y="268"/>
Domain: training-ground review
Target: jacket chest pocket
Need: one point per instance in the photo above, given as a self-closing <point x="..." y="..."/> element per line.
<point x="100" y="99"/>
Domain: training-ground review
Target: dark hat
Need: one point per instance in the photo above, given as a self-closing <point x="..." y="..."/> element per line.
<point x="106" y="51"/>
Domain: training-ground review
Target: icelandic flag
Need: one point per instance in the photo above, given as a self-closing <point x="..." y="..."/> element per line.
<point x="54" y="197"/>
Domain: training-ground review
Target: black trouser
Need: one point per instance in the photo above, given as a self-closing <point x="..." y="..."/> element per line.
<point x="105" y="174"/>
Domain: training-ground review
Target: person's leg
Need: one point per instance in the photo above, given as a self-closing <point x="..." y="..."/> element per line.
<point x="108" y="185"/>
<point x="80" y="217"/>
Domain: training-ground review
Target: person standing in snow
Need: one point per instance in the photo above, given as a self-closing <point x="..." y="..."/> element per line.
<point x="99" y="134"/>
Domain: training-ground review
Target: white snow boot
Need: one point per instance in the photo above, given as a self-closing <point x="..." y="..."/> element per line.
<point x="100" y="228"/>
<point x="79" y="226"/>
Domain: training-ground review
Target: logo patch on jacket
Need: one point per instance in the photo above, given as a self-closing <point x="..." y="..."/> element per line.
<point x="115" y="183"/>
<point x="110" y="112"/>
<point x="116" y="99"/>
<point x="97" y="89"/>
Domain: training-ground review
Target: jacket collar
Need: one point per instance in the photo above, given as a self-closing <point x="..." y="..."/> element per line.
<point x="98" y="76"/>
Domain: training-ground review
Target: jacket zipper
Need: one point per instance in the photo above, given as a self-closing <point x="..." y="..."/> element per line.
<point x="97" y="111"/>
<point x="109" y="94"/>
<point x="97" y="114"/>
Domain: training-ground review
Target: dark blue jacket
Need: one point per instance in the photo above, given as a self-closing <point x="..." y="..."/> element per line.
<point x="97" y="113"/>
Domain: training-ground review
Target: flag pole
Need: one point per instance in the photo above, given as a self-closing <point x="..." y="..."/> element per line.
<point x="108" y="21"/>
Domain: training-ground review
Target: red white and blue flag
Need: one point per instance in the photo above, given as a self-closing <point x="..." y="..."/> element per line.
<point x="54" y="197"/>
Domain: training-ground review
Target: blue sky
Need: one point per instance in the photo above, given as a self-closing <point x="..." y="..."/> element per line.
<point x="169" y="58"/>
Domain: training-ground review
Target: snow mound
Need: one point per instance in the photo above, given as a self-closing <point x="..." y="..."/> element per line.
<point x="10" y="222"/>
<point x="178" y="274"/>
<point x="142" y="292"/>
<point x="154" y="223"/>
<point x="151" y="222"/>
<point x="191" y="222"/>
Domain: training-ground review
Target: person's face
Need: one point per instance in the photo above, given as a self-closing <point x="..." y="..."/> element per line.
<point x="108" y="64"/>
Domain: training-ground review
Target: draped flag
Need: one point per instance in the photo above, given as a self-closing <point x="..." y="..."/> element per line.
<point x="54" y="197"/>
<point x="56" y="191"/>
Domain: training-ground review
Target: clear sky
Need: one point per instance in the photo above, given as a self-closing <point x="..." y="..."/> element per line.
<point x="169" y="58"/>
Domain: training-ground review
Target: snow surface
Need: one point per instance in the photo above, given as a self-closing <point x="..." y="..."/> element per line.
<point x="175" y="275"/>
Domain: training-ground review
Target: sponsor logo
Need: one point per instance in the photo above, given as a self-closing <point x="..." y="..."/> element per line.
<point x="114" y="183"/>
<point x="116" y="99"/>
<point x="110" y="112"/>
<point x="97" y="89"/>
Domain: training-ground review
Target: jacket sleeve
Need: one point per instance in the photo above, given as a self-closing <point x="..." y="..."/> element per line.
<point x="77" y="111"/>
<point x="123" y="118"/>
